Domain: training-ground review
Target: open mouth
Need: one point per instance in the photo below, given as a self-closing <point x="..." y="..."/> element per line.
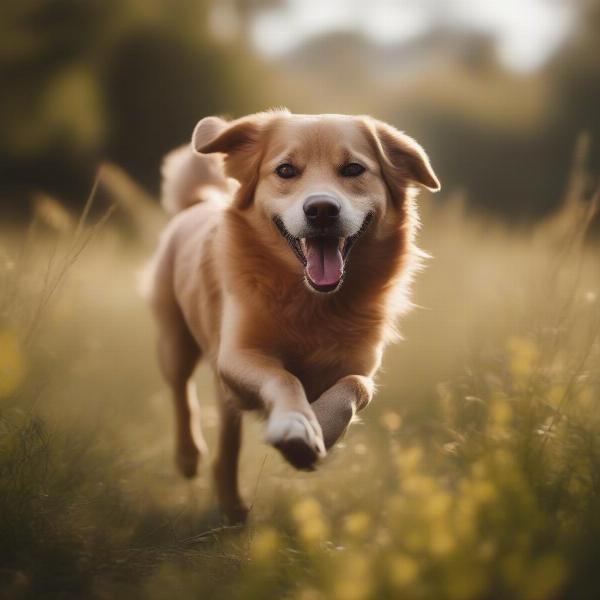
<point x="323" y="256"/>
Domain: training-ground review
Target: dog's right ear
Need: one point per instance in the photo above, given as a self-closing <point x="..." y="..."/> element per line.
<point x="239" y="140"/>
<point x="206" y="131"/>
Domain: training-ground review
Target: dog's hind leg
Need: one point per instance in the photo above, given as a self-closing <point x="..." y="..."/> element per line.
<point x="178" y="355"/>
<point x="225" y="468"/>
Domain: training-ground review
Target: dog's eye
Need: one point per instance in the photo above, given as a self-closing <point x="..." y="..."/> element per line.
<point x="352" y="170"/>
<point x="286" y="171"/>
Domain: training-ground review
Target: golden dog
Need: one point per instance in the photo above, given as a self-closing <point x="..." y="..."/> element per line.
<point x="286" y="266"/>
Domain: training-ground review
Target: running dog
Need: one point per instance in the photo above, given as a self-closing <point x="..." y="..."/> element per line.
<point x="285" y="266"/>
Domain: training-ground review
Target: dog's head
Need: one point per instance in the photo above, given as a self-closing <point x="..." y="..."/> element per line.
<point x="320" y="182"/>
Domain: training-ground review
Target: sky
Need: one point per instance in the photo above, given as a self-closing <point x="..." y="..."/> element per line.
<point x="526" y="32"/>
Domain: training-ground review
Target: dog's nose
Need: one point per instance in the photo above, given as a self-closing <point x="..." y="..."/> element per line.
<point x="321" y="210"/>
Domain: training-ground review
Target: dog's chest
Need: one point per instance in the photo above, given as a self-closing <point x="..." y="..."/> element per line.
<point x="321" y="348"/>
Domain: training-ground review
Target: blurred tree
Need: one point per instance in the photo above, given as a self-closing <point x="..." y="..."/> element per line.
<point x="507" y="138"/>
<point x="126" y="80"/>
<point x="51" y="108"/>
<point x="577" y="80"/>
<point x="106" y="79"/>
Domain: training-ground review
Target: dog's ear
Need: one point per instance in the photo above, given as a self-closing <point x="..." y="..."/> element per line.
<point x="240" y="141"/>
<point x="403" y="160"/>
<point x="206" y="131"/>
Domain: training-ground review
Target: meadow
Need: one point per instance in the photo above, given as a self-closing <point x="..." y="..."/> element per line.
<point x="474" y="474"/>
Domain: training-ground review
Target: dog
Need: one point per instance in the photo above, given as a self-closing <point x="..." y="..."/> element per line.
<point x="286" y="265"/>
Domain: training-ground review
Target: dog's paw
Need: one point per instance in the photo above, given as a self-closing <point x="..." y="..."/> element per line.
<point x="297" y="437"/>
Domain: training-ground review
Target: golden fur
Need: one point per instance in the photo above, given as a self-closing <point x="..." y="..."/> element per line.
<point x="228" y="287"/>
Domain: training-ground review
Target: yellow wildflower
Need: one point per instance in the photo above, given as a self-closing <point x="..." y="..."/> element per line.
<point x="357" y="524"/>
<point x="483" y="491"/>
<point x="403" y="570"/>
<point x="313" y="530"/>
<point x="408" y="460"/>
<point x="264" y="545"/>
<point x="312" y="526"/>
<point x="353" y="580"/>
<point x="306" y="509"/>
<point x="437" y="505"/>
<point x="442" y="542"/>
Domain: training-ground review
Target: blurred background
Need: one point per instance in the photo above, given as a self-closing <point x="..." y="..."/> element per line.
<point x="497" y="92"/>
<point x="475" y="473"/>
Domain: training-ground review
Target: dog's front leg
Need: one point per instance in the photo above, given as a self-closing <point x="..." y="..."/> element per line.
<point x="336" y="407"/>
<point x="261" y="382"/>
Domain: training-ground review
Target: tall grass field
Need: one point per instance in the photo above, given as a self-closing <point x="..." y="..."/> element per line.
<point x="474" y="474"/>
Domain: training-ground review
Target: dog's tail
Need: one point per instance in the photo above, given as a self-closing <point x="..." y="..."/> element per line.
<point x="189" y="178"/>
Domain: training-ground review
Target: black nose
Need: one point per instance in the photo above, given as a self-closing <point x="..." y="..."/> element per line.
<point x="321" y="210"/>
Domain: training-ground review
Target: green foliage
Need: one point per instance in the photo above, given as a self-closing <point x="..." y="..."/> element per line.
<point x="126" y="81"/>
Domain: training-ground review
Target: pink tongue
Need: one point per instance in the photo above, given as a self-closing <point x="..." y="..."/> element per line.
<point x="324" y="260"/>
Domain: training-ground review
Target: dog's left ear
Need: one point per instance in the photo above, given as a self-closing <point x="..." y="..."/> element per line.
<point x="239" y="140"/>
<point x="403" y="160"/>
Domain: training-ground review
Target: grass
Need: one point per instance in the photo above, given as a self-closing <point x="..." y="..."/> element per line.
<point x="474" y="474"/>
